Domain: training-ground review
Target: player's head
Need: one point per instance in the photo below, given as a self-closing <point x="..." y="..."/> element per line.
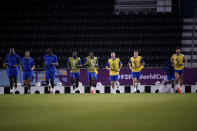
<point x="113" y="55"/>
<point x="12" y="51"/>
<point x="74" y="54"/>
<point x="91" y="54"/>
<point x="135" y="53"/>
<point x="27" y="53"/>
<point x="178" y="50"/>
<point x="49" y="50"/>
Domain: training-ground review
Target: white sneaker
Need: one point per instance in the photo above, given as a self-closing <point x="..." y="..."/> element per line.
<point x="172" y="90"/>
<point x="53" y="90"/>
<point x="114" y="91"/>
<point x="117" y="84"/>
<point x="11" y="91"/>
<point x="135" y="90"/>
<point x="28" y="91"/>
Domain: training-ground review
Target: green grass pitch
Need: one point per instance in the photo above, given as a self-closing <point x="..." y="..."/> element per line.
<point x="99" y="112"/>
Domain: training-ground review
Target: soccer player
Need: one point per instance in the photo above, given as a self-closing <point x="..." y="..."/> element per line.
<point x="169" y="71"/>
<point x="74" y="64"/>
<point x="50" y="61"/>
<point x="91" y="62"/>
<point x="136" y="64"/>
<point x="27" y="65"/>
<point x="12" y="62"/>
<point x="178" y="60"/>
<point x="114" y="65"/>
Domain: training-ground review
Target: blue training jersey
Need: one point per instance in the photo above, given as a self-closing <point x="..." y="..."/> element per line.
<point x="48" y="59"/>
<point x="12" y="60"/>
<point x="168" y="68"/>
<point x="27" y="64"/>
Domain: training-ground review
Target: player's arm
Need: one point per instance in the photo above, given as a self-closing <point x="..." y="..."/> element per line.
<point x="85" y="62"/>
<point x="107" y="66"/>
<point x="130" y="64"/>
<point x="21" y="66"/>
<point x="184" y="60"/>
<point x="68" y="64"/>
<point x="120" y="65"/>
<point x="55" y="62"/>
<point x="172" y="60"/>
<point x="33" y="65"/>
<point x="142" y="63"/>
<point x="79" y="64"/>
<point x="18" y="61"/>
<point x="165" y="67"/>
<point x="96" y="66"/>
<point x="5" y="64"/>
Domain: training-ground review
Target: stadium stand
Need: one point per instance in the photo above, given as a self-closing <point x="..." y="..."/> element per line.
<point x="84" y="25"/>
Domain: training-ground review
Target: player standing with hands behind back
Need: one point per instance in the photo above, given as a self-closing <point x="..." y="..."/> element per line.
<point x="178" y="60"/>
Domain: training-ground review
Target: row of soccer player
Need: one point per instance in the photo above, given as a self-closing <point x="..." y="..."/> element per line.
<point x="114" y="64"/>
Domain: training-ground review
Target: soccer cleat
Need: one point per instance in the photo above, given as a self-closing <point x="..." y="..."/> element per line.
<point x="28" y="91"/>
<point x="117" y="84"/>
<point x="135" y="90"/>
<point x="92" y="90"/>
<point x="172" y="90"/>
<point x="74" y="86"/>
<point x="11" y="91"/>
<point x="179" y="90"/>
<point x="113" y="91"/>
<point x="52" y="91"/>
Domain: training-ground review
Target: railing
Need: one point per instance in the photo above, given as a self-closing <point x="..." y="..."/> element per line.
<point x="145" y="6"/>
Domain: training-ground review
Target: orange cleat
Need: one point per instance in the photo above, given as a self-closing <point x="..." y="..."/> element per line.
<point x="179" y="90"/>
<point x="92" y="91"/>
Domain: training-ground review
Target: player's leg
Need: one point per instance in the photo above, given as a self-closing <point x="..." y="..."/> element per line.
<point x="181" y="79"/>
<point x="47" y="79"/>
<point x="72" y="77"/>
<point x="91" y="80"/>
<point x="52" y="78"/>
<point x="116" y="81"/>
<point x="134" y="78"/>
<point x="138" y="74"/>
<point x="172" y="83"/>
<point x="11" y="79"/>
<point x="94" y="79"/>
<point x="135" y="84"/>
<point x="24" y="79"/>
<point x="172" y="86"/>
<point x="113" y="86"/>
<point x="177" y="81"/>
<point x="15" y="75"/>
<point x="29" y="85"/>
<point x="77" y="77"/>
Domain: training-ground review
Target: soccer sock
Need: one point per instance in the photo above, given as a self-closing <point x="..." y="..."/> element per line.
<point x="134" y="89"/>
<point x="92" y="89"/>
<point x="117" y="84"/>
<point x="172" y="90"/>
